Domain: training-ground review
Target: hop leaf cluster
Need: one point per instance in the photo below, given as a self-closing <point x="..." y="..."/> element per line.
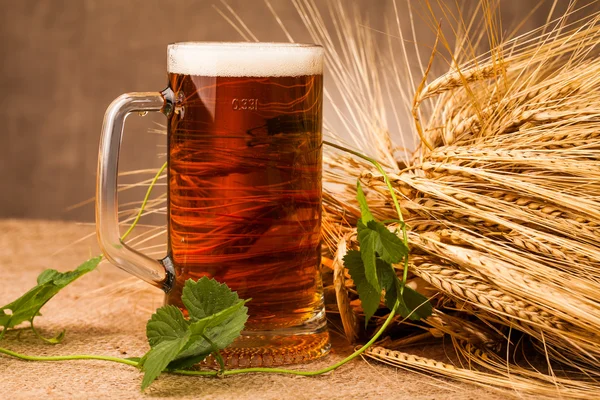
<point x="216" y="318"/>
<point x="49" y="283"/>
<point x="372" y="271"/>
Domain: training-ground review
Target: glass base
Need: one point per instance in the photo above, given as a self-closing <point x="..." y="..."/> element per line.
<point x="274" y="348"/>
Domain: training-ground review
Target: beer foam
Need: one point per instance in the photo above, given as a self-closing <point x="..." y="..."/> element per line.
<point x="244" y="59"/>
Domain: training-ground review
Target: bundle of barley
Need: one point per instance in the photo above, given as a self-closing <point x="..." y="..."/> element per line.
<point x="502" y="200"/>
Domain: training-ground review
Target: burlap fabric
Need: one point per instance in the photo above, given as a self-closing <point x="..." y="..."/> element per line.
<point x="103" y="317"/>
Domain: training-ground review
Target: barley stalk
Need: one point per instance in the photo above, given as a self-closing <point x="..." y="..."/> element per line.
<point x="349" y="318"/>
<point x="498" y="378"/>
<point x="516" y="279"/>
<point x="465" y="330"/>
<point x="489" y="302"/>
<point x="467" y="287"/>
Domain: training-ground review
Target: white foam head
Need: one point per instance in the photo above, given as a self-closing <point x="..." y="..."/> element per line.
<point x="244" y="59"/>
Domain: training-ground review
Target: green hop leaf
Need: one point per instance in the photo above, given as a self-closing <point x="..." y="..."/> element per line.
<point x="368" y="240"/>
<point x="167" y="323"/>
<point x="217" y="317"/>
<point x="219" y="329"/>
<point x="389" y="282"/>
<point x="388" y="245"/>
<point x="159" y="356"/>
<point x="369" y="295"/>
<point x="207" y="297"/>
<point x="49" y="283"/>
<point x="414" y="305"/>
<point x="365" y="213"/>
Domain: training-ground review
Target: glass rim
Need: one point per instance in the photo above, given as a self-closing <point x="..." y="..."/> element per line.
<point x="243" y="44"/>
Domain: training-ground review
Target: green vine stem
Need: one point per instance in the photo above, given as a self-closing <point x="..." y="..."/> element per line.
<point x="213" y="373"/>
<point x="68" y="357"/>
<point x="325" y="370"/>
<point x="146" y="197"/>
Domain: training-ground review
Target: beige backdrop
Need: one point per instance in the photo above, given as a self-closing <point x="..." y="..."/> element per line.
<point x="64" y="61"/>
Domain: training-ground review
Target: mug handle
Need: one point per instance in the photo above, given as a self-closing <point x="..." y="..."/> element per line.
<point x="159" y="273"/>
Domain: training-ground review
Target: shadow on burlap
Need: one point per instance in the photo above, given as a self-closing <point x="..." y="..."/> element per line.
<point x="99" y="319"/>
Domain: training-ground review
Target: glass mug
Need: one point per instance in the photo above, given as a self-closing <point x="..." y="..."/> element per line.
<point x="244" y="189"/>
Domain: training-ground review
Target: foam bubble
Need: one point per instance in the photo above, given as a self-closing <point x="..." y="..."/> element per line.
<point x="244" y="59"/>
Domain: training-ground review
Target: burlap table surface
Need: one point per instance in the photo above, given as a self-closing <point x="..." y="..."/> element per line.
<point x="105" y="313"/>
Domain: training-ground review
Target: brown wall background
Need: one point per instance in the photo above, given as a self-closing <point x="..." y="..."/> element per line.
<point x="64" y="61"/>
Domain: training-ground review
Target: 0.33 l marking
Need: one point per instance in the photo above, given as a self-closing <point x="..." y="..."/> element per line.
<point x="244" y="104"/>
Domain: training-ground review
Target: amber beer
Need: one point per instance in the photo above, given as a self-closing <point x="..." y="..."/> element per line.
<point x="244" y="198"/>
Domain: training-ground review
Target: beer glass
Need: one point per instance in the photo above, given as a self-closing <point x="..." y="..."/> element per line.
<point x="244" y="188"/>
